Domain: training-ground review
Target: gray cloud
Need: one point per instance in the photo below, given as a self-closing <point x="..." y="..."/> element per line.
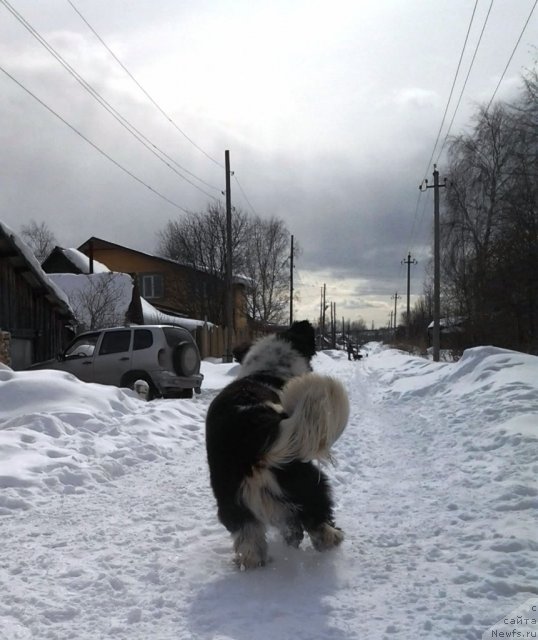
<point x="330" y="112"/>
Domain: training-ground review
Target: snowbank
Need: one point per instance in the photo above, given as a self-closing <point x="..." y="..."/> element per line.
<point x="111" y="528"/>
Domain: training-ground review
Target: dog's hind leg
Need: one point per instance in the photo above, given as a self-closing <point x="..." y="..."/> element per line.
<point x="307" y="489"/>
<point x="250" y="546"/>
<point x="292" y="531"/>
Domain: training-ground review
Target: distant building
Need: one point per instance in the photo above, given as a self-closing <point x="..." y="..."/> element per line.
<point x="451" y="332"/>
<point x="98" y="296"/>
<point x="172" y="288"/>
<point x="36" y="320"/>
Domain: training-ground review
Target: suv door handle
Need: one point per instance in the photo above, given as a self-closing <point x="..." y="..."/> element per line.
<point x="124" y="358"/>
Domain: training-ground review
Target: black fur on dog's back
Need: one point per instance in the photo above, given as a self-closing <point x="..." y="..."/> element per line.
<point x="239" y="430"/>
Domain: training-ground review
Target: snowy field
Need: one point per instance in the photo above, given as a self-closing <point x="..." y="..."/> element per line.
<point x="108" y="525"/>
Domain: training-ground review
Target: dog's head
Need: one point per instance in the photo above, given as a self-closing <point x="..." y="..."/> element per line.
<point x="302" y="338"/>
<point x="285" y="355"/>
<point x="240" y="351"/>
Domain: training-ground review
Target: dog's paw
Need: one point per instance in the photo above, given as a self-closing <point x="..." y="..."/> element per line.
<point x="248" y="561"/>
<point x="250" y="546"/>
<point x="293" y="534"/>
<point x="326" y="537"/>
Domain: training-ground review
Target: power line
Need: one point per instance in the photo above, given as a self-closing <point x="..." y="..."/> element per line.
<point x="416" y="214"/>
<point x="96" y="147"/>
<point x="129" y="127"/>
<point x="148" y="96"/>
<point x="512" y="54"/>
<point x="415" y="226"/>
<point x="427" y="199"/>
<point x="465" y="82"/>
<point x="452" y="89"/>
<point x="411" y="237"/>
<point x="462" y="91"/>
<point x="244" y="195"/>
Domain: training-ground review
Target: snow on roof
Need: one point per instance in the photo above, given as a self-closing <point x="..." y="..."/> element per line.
<point x="81" y="287"/>
<point x="33" y="263"/>
<point x="152" y="315"/>
<point x="449" y="323"/>
<point x="82" y="261"/>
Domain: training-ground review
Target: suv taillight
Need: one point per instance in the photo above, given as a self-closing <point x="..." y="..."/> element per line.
<point x="161" y="357"/>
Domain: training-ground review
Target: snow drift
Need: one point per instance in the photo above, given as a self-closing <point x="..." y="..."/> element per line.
<point x="109" y="529"/>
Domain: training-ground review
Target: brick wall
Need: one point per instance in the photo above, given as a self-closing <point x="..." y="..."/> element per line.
<point x="5" y="347"/>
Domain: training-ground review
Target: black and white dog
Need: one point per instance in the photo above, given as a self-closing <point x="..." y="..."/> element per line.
<point x="262" y="432"/>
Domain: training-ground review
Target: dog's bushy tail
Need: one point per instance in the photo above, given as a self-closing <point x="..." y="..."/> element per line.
<point x="318" y="409"/>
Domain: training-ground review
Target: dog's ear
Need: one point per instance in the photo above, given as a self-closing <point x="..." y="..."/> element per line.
<point x="240" y="351"/>
<point x="302" y="337"/>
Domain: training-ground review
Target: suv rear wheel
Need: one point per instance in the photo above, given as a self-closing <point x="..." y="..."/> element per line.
<point x="185" y="359"/>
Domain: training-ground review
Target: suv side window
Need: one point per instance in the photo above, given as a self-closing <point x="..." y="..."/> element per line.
<point x="115" y="342"/>
<point x="143" y="339"/>
<point x="82" y="347"/>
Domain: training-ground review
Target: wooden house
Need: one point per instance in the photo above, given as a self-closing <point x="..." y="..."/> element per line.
<point x="94" y="284"/>
<point x="174" y="289"/>
<point x="35" y="316"/>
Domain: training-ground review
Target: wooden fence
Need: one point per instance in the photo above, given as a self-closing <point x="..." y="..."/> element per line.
<point x="211" y="339"/>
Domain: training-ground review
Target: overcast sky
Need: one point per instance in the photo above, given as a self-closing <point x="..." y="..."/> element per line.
<point x="330" y="111"/>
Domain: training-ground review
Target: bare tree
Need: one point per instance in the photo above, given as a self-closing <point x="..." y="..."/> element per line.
<point x="198" y="240"/>
<point x="489" y="226"/>
<point x="260" y="253"/>
<point x="39" y="238"/>
<point x="96" y="303"/>
<point x="267" y="267"/>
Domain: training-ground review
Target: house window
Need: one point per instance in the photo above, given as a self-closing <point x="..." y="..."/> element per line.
<point x="151" y="285"/>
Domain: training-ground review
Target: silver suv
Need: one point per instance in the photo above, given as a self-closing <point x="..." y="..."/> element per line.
<point x="166" y="357"/>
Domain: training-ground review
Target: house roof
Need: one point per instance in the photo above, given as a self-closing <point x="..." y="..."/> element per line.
<point x="154" y="316"/>
<point x="72" y="261"/>
<point x="20" y="256"/>
<point x="99" y="243"/>
<point x="76" y="285"/>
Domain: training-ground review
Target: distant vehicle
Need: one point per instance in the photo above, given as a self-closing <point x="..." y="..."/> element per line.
<point x="166" y="357"/>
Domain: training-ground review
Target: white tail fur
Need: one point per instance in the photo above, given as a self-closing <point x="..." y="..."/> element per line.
<point x="318" y="410"/>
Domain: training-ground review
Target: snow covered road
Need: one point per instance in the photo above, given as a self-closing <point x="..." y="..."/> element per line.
<point x="109" y="528"/>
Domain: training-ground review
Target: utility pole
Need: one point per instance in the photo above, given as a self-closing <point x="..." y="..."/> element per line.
<point x="333" y="314"/>
<point x="331" y="331"/>
<point x="323" y="309"/>
<point x="291" y="282"/>
<point x="395" y="297"/>
<point x="436" y="262"/>
<point x="320" y="317"/>
<point x="228" y="357"/>
<point x="408" y="262"/>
